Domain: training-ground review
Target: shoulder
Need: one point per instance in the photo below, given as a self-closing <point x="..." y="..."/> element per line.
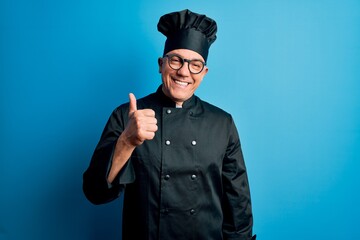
<point x="213" y="110"/>
<point x="219" y="119"/>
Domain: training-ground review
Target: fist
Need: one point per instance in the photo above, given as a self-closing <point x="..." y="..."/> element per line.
<point x="141" y="125"/>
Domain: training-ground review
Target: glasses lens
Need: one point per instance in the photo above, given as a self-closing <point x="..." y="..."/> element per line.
<point x="175" y="62"/>
<point x="196" y="66"/>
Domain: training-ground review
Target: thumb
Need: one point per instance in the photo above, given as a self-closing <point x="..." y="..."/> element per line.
<point x="133" y="106"/>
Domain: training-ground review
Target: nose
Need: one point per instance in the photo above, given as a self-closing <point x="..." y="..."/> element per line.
<point x="184" y="70"/>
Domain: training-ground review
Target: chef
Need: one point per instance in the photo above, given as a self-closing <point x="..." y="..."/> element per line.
<point x="176" y="158"/>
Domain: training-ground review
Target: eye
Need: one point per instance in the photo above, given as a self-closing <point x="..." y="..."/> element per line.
<point x="196" y="64"/>
<point x="175" y="59"/>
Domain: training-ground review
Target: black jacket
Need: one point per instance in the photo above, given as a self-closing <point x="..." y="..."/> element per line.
<point x="189" y="182"/>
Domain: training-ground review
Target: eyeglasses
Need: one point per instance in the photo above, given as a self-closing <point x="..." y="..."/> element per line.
<point x="176" y="62"/>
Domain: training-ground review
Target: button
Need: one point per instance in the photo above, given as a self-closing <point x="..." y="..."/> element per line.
<point x="193" y="177"/>
<point x="167" y="142"/>
<point x="168" y="111"/>
<point x="190" y="113"/>
<point x="167" y="177"/>
<point x="192" y="211"/>
<point x="193" y="143"/>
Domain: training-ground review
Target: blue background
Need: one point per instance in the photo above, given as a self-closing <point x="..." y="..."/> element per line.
<point x="288" y="71"/>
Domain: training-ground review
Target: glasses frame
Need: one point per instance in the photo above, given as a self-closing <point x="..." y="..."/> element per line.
<point x="183" y="60"/>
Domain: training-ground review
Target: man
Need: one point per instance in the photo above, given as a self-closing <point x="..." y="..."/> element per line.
<point x="177" y="158"/>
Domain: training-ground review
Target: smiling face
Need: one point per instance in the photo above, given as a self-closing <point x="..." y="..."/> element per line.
<point x="180" y="85"/>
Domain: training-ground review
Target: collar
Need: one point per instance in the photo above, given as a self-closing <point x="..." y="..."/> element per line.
<point x="165" y="101"/>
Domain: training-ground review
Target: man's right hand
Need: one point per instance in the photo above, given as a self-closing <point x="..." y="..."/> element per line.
<point x="141" y="126"/>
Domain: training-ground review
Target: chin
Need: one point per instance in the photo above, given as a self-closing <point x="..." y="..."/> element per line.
<point x="179" y="97"/>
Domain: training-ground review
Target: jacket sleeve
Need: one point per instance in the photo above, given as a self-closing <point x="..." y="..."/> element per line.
<point x="95" y="185"/>
<point x="238" y="219"/>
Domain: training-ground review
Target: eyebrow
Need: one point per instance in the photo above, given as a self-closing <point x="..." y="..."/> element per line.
<point x="175" y="54"/>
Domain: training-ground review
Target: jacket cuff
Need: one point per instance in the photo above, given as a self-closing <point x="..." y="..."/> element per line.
<point x="125" y="176"/>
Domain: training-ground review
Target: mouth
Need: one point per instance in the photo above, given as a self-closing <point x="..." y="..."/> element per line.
<point x="181" y="83"/>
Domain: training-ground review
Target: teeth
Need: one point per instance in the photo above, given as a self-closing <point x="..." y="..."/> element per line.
<point x="181" y="83"/>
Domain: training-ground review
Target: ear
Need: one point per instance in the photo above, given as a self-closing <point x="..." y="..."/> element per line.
<point x="160" y="63"/>
<point x="205" y="71"/>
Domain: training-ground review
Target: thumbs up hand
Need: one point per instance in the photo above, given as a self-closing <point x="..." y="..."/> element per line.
<point x="142" y="124"/>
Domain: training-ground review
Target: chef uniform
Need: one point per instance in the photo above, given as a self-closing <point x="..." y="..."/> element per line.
<point x="190" y="181"/>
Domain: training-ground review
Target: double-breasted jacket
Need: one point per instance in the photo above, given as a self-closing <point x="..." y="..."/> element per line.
<point x="189" y="182"/>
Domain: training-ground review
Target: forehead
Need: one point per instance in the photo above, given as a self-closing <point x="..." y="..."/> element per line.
<point x="186" y="53"/>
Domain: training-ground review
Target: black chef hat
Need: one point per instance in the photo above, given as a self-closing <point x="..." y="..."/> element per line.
<point x="188" y="30"/>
